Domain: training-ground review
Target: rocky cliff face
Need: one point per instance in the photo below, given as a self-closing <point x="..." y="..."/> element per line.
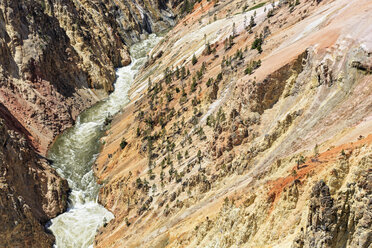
<point x="254" y="131"/>
<point x="339" y="222"/>
<point x="54" y="53"/>
<point x="31" y="192"/>
<point x="58" y="57"/>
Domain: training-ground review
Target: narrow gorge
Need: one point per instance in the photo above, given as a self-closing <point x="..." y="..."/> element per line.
<point x="198" y="123"/>
<point x="75" y="151"/>
<point x="58" y="58"/>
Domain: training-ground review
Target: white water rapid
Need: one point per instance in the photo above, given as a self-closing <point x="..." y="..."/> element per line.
<point x="75" y="151"/>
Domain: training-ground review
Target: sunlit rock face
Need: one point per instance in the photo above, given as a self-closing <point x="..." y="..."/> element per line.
<point x="250" y="127"/>
<point x="59" y="57"/>
<point x="249" y="124"/>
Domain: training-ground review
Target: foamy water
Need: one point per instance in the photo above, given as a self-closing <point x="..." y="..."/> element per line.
<point x="75" y="151"/>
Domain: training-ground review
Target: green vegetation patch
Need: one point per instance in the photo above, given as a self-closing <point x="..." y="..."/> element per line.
<point x="257" y="6"/>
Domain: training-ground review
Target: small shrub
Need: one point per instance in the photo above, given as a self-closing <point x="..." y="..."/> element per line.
<point x="193" y="85"/>
<point x="208" y="49"/>
<point x="248" y="70"/>
<point x="219" y="77"/>
<point x="257" y="43"/>
<point x="194" y="60"/>
<point x="252" y="23"/>
<point x="209" y="82"/>
<point x="123" y="143"/>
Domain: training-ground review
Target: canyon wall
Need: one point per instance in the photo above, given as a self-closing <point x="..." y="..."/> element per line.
<point x="58" y="57"/>
<point x="31" y="191"/>
<point x="250" y="126"/>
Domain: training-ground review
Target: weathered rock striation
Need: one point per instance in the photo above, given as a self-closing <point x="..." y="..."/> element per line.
<point x="54" y="53"/>
<point x="254" y="130"/>
<point x="58" y="57"/>
<point x="31" y="192"/>
<point x="339" y="222"/>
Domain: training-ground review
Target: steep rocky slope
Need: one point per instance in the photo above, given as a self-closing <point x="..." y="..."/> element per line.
<point x="58" y="57"/>
<point x="250" y="126"/>
<point x="31" y="192"/>
<point x="54" y="52"/>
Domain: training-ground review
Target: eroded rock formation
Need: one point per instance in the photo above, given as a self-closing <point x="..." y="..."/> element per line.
<point x="31" y="192"/>
<point x="239" y="121"/>
<point x="54" y="53"/>
<point x="342" y="222"/>
<point x="58" y="57"/>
